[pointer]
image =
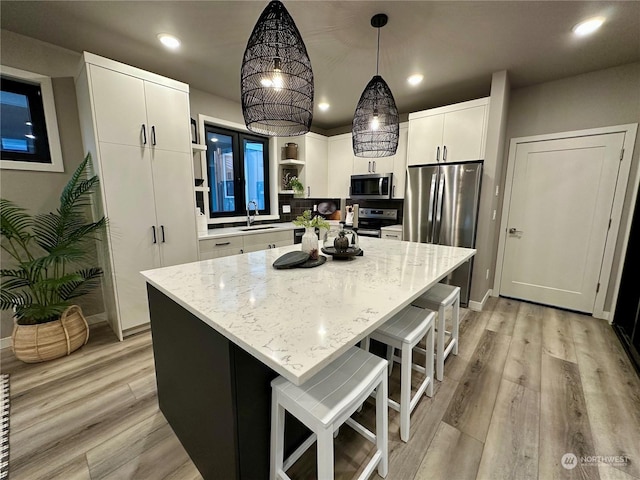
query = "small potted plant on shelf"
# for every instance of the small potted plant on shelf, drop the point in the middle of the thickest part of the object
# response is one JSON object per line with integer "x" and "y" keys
{"x": 49, "y": 253}
{"x": 310, "y": 223}
{"x": 296, "y": 186}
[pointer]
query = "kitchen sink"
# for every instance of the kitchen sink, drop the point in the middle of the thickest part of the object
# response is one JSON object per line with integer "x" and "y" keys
{"x": 257, "y": 227}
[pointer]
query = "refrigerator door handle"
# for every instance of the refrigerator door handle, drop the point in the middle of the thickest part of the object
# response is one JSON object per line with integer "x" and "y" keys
{"x": 432, "y": 196}
{"x": 440, "y": 200}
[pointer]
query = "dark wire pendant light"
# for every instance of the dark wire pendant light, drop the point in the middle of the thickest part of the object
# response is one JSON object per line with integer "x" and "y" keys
{"x": 376, "y": 125}
{"x": 276, "y": 76}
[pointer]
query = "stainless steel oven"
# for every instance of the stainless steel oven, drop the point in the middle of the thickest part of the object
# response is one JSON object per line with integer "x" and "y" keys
{"x": 371, "y": 221}
{"x": 371, "y": 187}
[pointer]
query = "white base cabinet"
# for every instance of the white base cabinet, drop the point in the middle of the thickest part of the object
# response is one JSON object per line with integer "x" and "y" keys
{"x": 135, "y": 124}
{"x": 237, "y": 244}
{"x": 455, "y": 133}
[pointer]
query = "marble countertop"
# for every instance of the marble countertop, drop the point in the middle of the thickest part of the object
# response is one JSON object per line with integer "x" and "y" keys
{"x": 236, "y": 231}
{"x": 297, "y": 321}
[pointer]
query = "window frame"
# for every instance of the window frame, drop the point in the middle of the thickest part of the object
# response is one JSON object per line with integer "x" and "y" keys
{"x": 50, "y": 121}
{"x": 239, "y": 182}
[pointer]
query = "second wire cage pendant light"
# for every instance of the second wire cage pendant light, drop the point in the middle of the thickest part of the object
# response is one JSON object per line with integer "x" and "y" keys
{"x": 376, "y": 124}
{"x": 276, "y": 76}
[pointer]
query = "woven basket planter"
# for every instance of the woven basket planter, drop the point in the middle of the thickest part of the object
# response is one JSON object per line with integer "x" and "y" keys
{"x": 46, "y": 341}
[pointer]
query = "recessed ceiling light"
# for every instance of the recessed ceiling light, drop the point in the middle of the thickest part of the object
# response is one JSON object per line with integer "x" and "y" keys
{"x": 324, "y": 106}
{"x": 588, "y": 26}
{"x": 169, "y": 41}
{"x": 415, "y": 79}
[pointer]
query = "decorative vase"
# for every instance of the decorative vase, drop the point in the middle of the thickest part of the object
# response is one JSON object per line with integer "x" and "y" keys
{"x": 341, "y": 243}
{"x": 309, "y": 240}
{"x": 47, "y": 341}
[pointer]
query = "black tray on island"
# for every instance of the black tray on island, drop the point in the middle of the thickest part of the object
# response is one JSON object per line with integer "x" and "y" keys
{"x": 349, "y": 253}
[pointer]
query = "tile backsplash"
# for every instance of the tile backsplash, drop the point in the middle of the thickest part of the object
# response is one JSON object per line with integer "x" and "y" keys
{"x": 299, "y": 205}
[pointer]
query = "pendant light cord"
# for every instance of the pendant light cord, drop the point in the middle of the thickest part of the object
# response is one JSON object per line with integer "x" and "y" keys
{"x": 378, "y": 52}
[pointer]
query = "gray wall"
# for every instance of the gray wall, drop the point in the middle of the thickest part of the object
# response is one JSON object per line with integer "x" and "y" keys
{"x": 39, "y": 191}
{"x": 597, "y": 99}
{"x": 487, "y": 233}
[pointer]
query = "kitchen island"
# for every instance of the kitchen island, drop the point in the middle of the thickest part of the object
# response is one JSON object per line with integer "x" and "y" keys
{"x": 223, "y": 329}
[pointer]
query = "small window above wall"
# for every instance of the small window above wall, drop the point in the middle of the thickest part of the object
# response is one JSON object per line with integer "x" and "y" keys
{"x": 29, "y": 138}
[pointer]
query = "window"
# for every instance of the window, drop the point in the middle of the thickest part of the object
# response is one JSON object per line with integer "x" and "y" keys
{"x": 238, "y": 172}
{"x": 28, "y": 126}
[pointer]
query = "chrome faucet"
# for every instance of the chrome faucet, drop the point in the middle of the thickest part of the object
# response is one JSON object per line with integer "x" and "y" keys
{"x": 252, "y": 218}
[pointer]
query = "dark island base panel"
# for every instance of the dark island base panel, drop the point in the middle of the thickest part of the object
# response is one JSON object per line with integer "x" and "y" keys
{"x": 215, "y": 396}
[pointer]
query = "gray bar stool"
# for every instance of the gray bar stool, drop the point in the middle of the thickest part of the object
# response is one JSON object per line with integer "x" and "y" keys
{"x": 324, "y": 403}
{"x": 404, "y": 331}
{"x": 438, "y": 298}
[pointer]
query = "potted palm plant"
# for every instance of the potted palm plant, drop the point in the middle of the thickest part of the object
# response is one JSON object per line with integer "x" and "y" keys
{"x": 48, "y": 271}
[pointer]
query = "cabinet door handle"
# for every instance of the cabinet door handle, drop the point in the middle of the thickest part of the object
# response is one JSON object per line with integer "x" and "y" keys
{"x": 438, "y": 154}
{"x": 308, "y": 192}
{"x": 162, "y": 230}
{"x": 374, "y": 166}
{"x": 242, "y": 250}
{"x": 153, "y": 135}
{"x": 393, "y": 193}
{"x": 153, "y": 229}
{"x": 273, "y": 245}
{"x": 369, "y": 167}
{"x": 222, "y": 244}
{"x": 144, "y": 134}
{"x": 444, "y": 153}
{"x": 391, "y": 236}
{"x": 268, "y": 245}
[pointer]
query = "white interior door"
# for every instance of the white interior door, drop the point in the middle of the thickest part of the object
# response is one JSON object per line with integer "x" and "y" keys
{"x": 558, "y": 216}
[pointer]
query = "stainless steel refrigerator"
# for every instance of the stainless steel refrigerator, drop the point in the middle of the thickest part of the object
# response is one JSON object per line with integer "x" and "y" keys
{"x": 441, "y": 207}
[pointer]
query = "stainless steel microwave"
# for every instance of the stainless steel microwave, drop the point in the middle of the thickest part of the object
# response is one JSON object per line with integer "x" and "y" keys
{"x": 375, "y": 186}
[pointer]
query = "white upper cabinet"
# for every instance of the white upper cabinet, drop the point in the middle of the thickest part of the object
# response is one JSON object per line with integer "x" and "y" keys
{"x": 340, "y": 165}
{"x": 166, "y": 110}
{"x": 425, "y": 139}
{"x": 315, "y": 166}
{"x": 400, "y": 163}
{"x": 119, "y": 106}
{"x": 132, "y": 111}
{"x": 454, "y": 133}
{"x": 463, "y": 136}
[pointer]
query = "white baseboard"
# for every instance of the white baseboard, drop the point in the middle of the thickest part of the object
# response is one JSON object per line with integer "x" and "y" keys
{"x": 478, "y": 306}
{"x": 603, "y": 316}
{"x": 5, "y": 342}
{"x": 97, "y": 318}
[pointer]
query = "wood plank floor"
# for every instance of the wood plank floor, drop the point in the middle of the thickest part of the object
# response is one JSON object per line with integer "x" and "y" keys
{"x": 530, "y": 384}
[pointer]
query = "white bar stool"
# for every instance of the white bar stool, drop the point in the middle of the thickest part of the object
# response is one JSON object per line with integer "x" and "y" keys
{"x": 437, "y": 298}
{"x": 327, "y": 401}
{"x": 404, "y": 331}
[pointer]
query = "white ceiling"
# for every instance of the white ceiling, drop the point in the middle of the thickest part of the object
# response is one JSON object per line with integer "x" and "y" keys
{"x": 456, "y": 45}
